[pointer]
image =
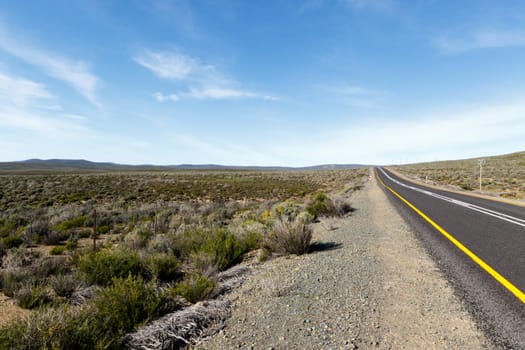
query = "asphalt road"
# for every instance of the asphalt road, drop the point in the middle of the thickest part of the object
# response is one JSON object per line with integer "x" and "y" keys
{"x": 488, "y": 231}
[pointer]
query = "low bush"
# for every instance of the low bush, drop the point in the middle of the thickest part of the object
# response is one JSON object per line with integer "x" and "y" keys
{"x": 123, "y": 305}
{"x": 224, "y": 247}
{"x": 12, "y": 242}
{"x": 103, "y": 229}
{"x": 288, "y": 210}
{"x": 71, "y": 245}
{"x": 118, "y": 309}
{"x": 291, "y": 237}
{"x": 220, "y": 247}
{"x": 321, "y": 205}
{"x": 341, "y": 205}
{"x": 57, "y": 250}
{"x": 101, "y": 267}
{"x": 66, "y": 225}
{"x": 31, "y": 297}
{"x": 165, "y": 267}
{"x": 195, "y": 287}
{"x": 54, "y": 237}
{"x": 64, "y": 285}
{"x": 47, "y": 266}
{"x": 11, "y": 282}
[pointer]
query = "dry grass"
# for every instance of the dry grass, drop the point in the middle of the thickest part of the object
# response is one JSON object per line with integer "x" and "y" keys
{"x": 10, "y": 311}
{"x": 503, "y": 176}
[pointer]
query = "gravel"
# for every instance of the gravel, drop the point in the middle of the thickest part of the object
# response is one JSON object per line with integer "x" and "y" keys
{"x": 368, "y": 285}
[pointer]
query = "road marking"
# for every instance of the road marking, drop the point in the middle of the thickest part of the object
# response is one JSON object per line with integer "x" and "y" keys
{"x": 496, "y": 275}
{"x": 490, "y": 212}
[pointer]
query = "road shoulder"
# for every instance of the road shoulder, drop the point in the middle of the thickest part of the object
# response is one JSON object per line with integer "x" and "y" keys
{"x": 375, "y": 288}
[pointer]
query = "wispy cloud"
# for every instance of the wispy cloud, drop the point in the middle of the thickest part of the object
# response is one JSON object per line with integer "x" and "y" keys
{"x": 481, "y": 39}
{"x": 203, "y": 80}
{"x": 174, "y": 65}
{"x": 160, "y": 97}
{"x": 51, "y": 127}
{"x": 20, "y": 91}
{"x": 217, "y": 93}
{"x": 76, "y": 73}
{"x": 29, "y": 106}
{"x": 354, "y": 95}
{"x": 168, "y": 65}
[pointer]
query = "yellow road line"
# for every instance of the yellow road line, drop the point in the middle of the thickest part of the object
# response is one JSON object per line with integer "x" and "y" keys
{"x": 502, "y": 280}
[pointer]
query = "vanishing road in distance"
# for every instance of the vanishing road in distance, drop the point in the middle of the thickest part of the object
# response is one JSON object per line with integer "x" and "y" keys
{"x": 479, "y": 245}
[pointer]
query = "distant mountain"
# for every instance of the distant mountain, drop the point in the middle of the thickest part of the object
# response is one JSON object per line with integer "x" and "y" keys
{"x": 82, "y": 165}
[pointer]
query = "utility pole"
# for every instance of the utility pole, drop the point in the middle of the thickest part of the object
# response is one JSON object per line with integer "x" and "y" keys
{"x": 94, "y": 230}
{"x": 480, "y": 162}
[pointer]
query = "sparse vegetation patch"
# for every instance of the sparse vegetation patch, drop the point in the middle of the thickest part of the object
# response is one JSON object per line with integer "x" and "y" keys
{"x": 161, "y": 241}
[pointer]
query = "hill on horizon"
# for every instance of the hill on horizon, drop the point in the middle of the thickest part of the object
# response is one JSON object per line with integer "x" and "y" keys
{"x": 36, "y": 165}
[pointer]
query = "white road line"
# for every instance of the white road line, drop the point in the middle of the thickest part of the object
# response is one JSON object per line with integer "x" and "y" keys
{"x": 493, "y": 213}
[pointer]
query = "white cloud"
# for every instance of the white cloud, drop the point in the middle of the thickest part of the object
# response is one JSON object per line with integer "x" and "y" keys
{"x": 160, "y": 97}
{"x": 354, "y": 95}
{"x": 51, "y": 127}
{"x": 171, "y": 65}
{"x": 204, "y": 81}
{"x": 74, "y": 72}
{"x": 177, "y": 66}
{"x": 224, "y": 93}
{"x": 20, "y": 91}
{"x": 28, "y": 106}
{"x": 481, "y": 39}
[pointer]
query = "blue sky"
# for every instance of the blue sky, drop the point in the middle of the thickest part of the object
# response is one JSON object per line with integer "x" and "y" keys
{"x": 286, "y": 82}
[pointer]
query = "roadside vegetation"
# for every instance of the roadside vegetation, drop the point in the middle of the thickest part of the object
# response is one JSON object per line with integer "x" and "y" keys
{"x": 161, "y": 240}
{"x": 503, "y": 176}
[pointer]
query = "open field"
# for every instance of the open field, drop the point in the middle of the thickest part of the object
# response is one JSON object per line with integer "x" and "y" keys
{"x": 503, "y": 176}
{"x": 162, "y": 238}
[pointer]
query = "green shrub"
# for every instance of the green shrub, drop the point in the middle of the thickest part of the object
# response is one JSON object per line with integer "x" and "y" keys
{"x": 118, "y": 309}
{"x": 195, "y": 287}
{"x": 321, "y": 205}
{"x": 102, "y": 229}
{"x": 165, "y": 267}
{"x": 12, "y": 241}
{"x": 69, "y": 224}
{"x": 252, "y": 240}
{"x": 288, "y": 209}
{"x": 31, "y": 297}
{"x": 101, "y": 267}
{"x": 71, "y": 245}
{"x": 125, "y": 304}
{"x": 223, "y": 247}
{"x": 57, "y": 250}
{"x": 53, "y": 328}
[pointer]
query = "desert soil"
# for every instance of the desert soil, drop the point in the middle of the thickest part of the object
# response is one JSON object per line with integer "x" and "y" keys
{"x": 9, "y": 311}
{"x": 369, "y": 285}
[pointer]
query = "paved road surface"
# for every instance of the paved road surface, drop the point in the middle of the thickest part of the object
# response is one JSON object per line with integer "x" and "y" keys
{"x": 479, "y": 245}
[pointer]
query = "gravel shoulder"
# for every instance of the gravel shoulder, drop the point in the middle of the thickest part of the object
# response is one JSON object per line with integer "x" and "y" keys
{"x": 369, "y": 285}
